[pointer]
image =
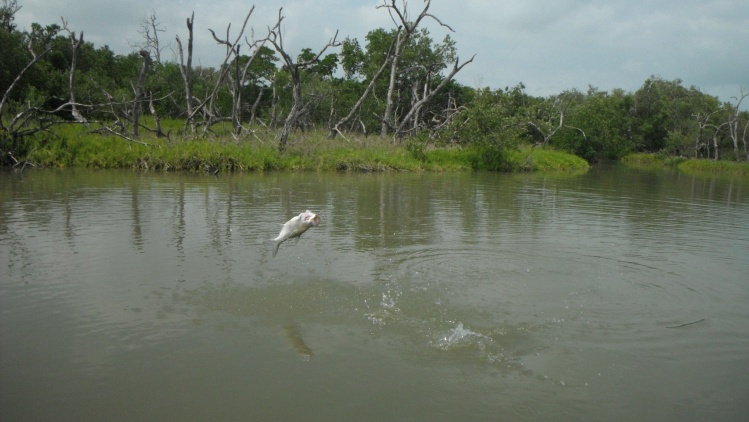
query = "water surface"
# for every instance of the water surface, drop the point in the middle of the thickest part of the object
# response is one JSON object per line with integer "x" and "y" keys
{"x": 619, "y": 294}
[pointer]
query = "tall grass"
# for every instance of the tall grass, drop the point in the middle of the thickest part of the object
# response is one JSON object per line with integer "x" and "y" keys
{"x": 713, "y": 167}
{"x": 691, "y": 166}
{"x": 77, "y": 146}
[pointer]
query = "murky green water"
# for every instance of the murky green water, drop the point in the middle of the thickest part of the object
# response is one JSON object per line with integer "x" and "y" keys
{"x": 614, "y": 295}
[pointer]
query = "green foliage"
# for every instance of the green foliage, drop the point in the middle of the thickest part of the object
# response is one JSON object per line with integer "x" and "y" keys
{"x": 599, "y": 127}
{"x": 15, "y": 56}
{"x": 490, "y": 157}
{"x": 351, "y": 57}
{"x": 417, "y": 150}
{"x": 494, "y": 119}
{"x": 545, "y": 160}
{"x": 643, "y": 159}
{"x": 666, "y": 116}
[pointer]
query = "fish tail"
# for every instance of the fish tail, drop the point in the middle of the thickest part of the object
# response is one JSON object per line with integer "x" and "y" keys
{"x": 276, "y": 244}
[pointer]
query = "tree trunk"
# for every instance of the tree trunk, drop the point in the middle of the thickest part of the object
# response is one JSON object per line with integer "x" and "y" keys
{"x": 388, "y": 120}
{"x": 297, "y": 107}
{"x": 186, "y": 71}
{"x": 387, "y": 117}
{"x": 733, "y": 123}
{"x": 76, "y": 44}
{"x": 335, "y": 129}
{"x": 294, "y": 68}
{"x": 140, "y": 92}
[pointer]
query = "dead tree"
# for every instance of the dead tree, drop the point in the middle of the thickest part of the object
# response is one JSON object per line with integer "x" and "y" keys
{"x": 716, "y": 135}
{"x": 702, "y": 124}
{"x": 20, "y": 119}
{"x": 149, "y": 29}
{"x": 75, "y": 46}
{"x": 240, "y": 72}
{"x": 733, "y": 125}
{"x": 336, "y": 128}
{"x": 547, "y": 128}
{"x": 207, "y": 104}
{"x": 298, "y": 107}
{"x": 21, "y": 124}
{"x": 427, "y": 96}
{"x": 185, "y": 70}
{"x": 401, "y": 20}
{"x": 140, "y": 91}
{"x": 743, "y": 139}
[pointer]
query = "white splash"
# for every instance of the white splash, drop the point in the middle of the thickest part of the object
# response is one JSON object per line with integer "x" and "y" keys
{"x": 460, "y": 336}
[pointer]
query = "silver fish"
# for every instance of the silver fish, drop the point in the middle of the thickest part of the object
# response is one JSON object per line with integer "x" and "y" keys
{"x": 295, "y": 227}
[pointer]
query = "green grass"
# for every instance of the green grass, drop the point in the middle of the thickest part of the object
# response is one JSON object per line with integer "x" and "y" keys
{"x": 546, "y": 160}
{"x": 78, "y": 146}
{"x": 643, "y": 160}
{"x": 714, "y": 167}
{"x": 691, "y": 166}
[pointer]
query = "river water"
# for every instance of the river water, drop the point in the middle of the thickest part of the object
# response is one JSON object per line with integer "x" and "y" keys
{"x": 619, "y": 294}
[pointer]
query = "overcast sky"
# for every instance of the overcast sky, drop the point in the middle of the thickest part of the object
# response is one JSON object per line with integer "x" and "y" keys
{"x": 549, "y": 45}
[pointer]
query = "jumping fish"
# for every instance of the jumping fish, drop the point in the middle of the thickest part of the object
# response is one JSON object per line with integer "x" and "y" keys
{"x": 295, "y": 227}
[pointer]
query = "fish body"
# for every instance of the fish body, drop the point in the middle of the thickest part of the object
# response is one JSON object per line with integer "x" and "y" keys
{"x": 295, "y": 227}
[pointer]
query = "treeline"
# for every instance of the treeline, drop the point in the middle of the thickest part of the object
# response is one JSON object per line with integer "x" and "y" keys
{"x": 396, "y": 83}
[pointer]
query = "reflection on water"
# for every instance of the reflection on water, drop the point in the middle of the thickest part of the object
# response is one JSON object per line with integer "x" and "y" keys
{"x": 441, "y": 297}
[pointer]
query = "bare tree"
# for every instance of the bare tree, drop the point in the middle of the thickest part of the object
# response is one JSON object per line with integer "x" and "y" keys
{"x": 75, "y": 46}
{"x": 743, "y": 139}
{"x": 140, "y": 91}
{"x": 21, "y": 118}
{"x": 186, "y": 72}
{"x": 400, "y": 18}
{"x": 240, "y": 73}
{"x": 548, "y": 126}
{"x": 733, "y": 125}
{"x": 149, "y": 30}
{"x": 335, "y": 128}
{"x": 298, "y": 107}
{"x": 68, "y": 107}
{"x": 207, "y": 104}
{"x": 703, "y": 122}
{"x": 427, "y": 96}
{"x": 717, "y": 129}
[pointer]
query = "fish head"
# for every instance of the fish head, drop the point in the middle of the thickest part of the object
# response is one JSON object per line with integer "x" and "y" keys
{"x": 310, "y": 218}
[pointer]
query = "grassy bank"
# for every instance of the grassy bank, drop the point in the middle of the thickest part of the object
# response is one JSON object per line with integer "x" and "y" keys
{"x": 77, "y": 146}
{"x": 692, "y": 166}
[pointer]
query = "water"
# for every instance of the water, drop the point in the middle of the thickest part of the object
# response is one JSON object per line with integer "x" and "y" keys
{"x": 615, "y": 295}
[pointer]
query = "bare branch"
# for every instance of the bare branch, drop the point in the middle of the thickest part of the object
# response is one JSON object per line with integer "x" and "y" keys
{"x": 34, "y": 59}
{"x": 417, "y": 106}
{"x": 336, "y": 128}
{"x": 298, "y": 107}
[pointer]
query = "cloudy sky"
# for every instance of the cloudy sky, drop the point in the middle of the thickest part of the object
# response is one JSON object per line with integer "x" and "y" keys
{"x": 549, "y": 45}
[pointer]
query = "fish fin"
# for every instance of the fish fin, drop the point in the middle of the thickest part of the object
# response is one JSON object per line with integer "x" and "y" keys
{"x": 276, "y": 244}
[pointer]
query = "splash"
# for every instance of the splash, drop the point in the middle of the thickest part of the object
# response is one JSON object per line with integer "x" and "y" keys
{"x": 387, "y": 311}
{"x": 460, "y": 337}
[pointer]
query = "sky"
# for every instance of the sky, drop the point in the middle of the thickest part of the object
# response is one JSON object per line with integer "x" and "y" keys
{"x": 548, "y": 45}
